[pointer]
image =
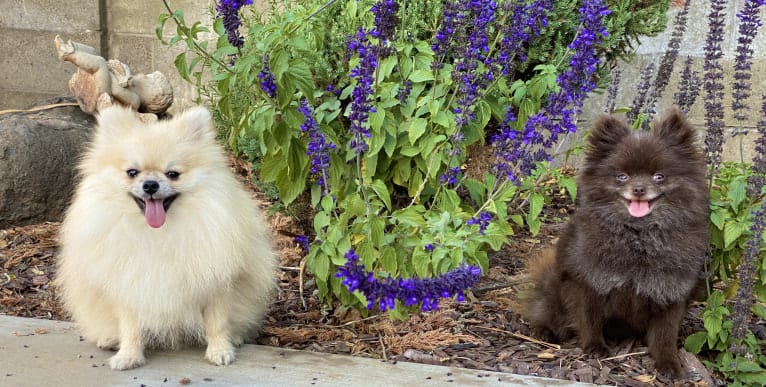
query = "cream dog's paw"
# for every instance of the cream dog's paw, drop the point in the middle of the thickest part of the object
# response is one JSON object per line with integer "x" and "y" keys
{"x": 126, "y": 361}
{"x": 222, "y": 354}
{"x": 108, "y": 343}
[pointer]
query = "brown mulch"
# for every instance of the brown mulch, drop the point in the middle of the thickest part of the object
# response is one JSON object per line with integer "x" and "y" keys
{"x": 483, "y": 333}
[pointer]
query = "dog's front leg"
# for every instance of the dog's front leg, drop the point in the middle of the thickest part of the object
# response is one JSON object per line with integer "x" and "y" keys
{"x": 220, "y": 350}
{"x": 131, "y": 353}
{"x": 662, "y": 335}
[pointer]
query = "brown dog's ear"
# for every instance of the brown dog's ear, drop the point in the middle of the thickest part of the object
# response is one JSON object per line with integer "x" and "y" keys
{"x": 607, "y": 132}
{"x": 674, "y": 129}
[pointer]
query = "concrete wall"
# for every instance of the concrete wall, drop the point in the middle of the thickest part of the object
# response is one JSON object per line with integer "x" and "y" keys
{"x": 693, "y": 43}
{"x": 30, "y": 71}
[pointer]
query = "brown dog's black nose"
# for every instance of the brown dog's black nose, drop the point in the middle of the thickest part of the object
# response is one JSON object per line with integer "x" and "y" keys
{"x": 638, "y": 190}
{"x": 151, "y": 187}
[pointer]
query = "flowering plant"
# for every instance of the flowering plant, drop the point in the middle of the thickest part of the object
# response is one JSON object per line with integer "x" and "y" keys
{"x": 370, "y": 111}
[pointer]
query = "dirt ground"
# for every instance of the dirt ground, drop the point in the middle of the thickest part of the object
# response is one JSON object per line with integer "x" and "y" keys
{"x": 482, "y": 333}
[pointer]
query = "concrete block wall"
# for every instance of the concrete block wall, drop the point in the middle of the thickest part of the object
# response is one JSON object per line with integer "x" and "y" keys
{"x": 30, "y": 71}
{"x": 693, "y": 44}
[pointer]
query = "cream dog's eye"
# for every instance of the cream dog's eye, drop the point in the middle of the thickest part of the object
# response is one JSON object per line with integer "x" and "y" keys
{"x": 172, "y": 175}
{"x": 132, "y": 172}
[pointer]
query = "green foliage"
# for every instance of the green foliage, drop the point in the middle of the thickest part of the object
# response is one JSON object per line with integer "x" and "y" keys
{"x": 731, "y": 215}
{"x": 740, "y": 361}
{"x": 629, "y": 21}
{"x": 388, "y": 204}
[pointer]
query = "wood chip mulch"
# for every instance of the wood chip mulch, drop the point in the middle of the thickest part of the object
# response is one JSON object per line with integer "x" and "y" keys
{"x": 483, "y": 333}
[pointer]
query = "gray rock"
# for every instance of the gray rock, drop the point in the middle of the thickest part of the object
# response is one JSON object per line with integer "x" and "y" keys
{"x": 38, "y": 154}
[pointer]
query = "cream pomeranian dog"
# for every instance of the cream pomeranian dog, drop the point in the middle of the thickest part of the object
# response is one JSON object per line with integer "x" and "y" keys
{"x": 162, "y": 245}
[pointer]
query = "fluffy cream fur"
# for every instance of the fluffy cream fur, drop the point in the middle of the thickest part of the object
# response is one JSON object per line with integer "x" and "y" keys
{"x": 204, "y": 276}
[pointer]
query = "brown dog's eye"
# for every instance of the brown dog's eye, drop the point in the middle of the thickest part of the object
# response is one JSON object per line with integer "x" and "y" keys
{"x": 132, "y": 172}
{"x": 659, "y": 178}
{"x": 623, "y": 177}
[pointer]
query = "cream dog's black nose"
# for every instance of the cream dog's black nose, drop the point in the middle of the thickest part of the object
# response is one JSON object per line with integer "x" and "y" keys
{"x": 151, "y": 187}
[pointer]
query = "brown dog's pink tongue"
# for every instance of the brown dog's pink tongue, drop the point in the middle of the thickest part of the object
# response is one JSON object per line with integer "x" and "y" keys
{"x": 155, "y": 213}
{"x": 638, "y": 208}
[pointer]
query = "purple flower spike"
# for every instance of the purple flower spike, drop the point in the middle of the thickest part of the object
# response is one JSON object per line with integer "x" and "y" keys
{"x": 228, "y": 11}
{"x": 318, "y": 148}
{"x": 427, "y": 291}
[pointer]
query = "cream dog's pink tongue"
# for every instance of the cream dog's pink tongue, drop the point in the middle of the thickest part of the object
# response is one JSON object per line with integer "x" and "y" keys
{"x": 154, "y": 212}
{"x": 638, "y": 208}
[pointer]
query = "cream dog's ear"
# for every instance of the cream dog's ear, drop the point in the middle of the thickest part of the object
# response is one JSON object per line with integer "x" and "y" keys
{"x": 197, "y": 124}
{"x": 115, "y": 120}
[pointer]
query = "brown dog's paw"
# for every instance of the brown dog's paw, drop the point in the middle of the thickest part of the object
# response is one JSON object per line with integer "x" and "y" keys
{"x": 597, "y": 350}
{"x": 670, "y": 367}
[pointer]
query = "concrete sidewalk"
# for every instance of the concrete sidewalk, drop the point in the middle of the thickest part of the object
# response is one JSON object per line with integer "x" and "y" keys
{"x": 43, "y": 352}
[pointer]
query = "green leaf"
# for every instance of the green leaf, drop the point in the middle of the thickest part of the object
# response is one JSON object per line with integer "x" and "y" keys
{"x": 421, "y": 76}
{"x": 416, "y": 128}
{"x": 536, "y": 201}
{"x": 376, "y": 119}
{"x": 409, "y": 151}
{"x": 410, "y": 216}
{"x": 321, "y": 267}
{"x": 278, "y": 63}
{"x": 292, "y": 180}
{"x": 443, "y": 119}
{"x": 737, "y": 191}
{"x": 386, "y": 67}
{"x": 731, "y": 232}
{"x": 718, "y": 216}
{"x": 388, "y": 259}
{"x": 159, "y": 29}
{"x": 377, "y": 227}
{"x": 570, "y": 185}
{"x": 449, "y": 200}
{"x": 753, "y": 378}
{"x": 423, "y": 46}
{"x": 382, "y": 191}
{"x": 367, "y": 253}
{"x": 744, "y": 365}
{"x": 355, "y": 205}
{"x": 321, "y": 220}
{"x": 713, "y": 323}
{"x": 272, "y": 165}
{"x": 421, "y": 261}
{"x": 475, "y": 189}
{"x": 759, "y": 310}
{"x": 534, "y": 225}
{"x": 299, "y": 77}
{"x": 695, "y": 341}
{"x": 180, "y": 63}
{"x": 497, "y": 234}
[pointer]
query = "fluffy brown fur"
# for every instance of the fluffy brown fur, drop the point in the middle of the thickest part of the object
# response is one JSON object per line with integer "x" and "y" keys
{"x": 627, "y": 262}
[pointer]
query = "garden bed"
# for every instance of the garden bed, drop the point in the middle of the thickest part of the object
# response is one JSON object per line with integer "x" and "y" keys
{"x": 482, "y": 333}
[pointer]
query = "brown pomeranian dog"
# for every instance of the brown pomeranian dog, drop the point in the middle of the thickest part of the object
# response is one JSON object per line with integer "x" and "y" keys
{"x": 629, "y": 259}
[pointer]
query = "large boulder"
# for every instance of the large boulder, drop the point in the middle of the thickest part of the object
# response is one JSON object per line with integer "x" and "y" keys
{"x": 38, "y": 154}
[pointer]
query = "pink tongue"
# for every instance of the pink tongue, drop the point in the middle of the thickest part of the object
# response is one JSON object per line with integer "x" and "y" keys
{"x": 638, "y": 208}
{"x": 155, "y": 213}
